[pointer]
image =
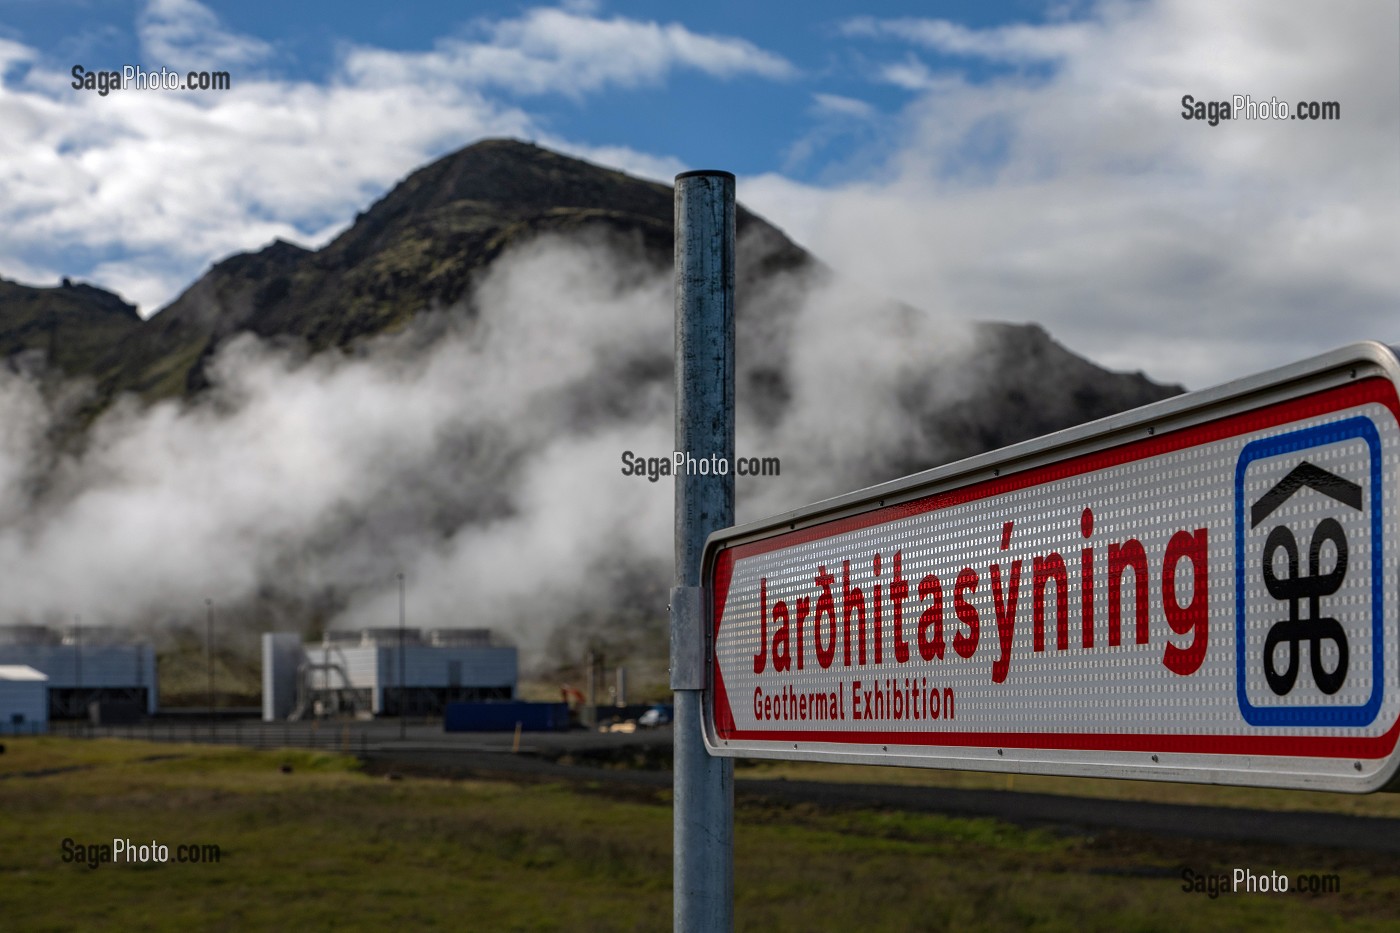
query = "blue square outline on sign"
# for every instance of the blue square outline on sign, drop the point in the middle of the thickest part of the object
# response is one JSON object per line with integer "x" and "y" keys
{"x": 1293, "y": 442}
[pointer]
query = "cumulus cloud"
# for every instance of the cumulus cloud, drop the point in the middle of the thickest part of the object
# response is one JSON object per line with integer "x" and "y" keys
{"x": 570, "y": 52}
{"x": 1078, "y": 197}
{"x": 835, "y": 118}
{"x": 186, "y": 34}
{"x": 626, "y": 159}
{"x": 143, "y": 189}
{"x": 1015, "y": 43}
{"x": 169, "y": 181}
{"x": 838, "y": 106}
{"x": 1037, "y": 172}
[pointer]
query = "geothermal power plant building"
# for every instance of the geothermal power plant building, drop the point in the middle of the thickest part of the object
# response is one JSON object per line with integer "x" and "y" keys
{"x": 24, "y": 700}
{"x": 366, "y": 672}
{"x": 84, "y": 665}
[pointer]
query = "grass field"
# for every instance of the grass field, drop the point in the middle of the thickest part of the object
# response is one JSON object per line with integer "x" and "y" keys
{"x": 326, "y": 847}
{"x": 1209, "y": 795}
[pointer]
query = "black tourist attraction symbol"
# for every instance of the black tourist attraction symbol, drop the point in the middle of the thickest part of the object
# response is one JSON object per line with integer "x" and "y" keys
{"x": 1314, "y": 628}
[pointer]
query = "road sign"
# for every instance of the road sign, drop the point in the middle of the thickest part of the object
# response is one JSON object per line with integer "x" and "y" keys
{"x": 1204, "y": 589}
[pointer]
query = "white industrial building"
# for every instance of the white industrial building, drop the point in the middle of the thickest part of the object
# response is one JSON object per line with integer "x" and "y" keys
{"x": 367, "y": 672}
{"x": 24, "y": 700}
{"x": 84, "y": 665}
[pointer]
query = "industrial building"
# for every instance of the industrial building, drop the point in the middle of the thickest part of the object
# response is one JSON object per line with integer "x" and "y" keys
{"x": 383, "y": 672}
{"x": 24, "y": 700}
{"x": 84, "y": 665}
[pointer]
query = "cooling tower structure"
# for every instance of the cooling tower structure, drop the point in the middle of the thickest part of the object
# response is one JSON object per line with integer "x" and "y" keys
{"x": 383, "y": 672}
{"x": 24, "y": 700}
{"x": 84, "y": 665}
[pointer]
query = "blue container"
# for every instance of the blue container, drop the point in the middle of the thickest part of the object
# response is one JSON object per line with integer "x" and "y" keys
{"x": 502, "y": 716}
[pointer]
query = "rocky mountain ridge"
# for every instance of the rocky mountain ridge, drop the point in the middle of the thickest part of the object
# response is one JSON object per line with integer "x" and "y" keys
{"x": 426, "y": 243}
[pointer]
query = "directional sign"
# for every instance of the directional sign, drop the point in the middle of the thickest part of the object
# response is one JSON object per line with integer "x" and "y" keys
{"x": 1204, "y": 589}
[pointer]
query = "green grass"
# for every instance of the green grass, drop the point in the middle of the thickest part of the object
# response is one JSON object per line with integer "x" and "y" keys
{"x": 329, "y": 847}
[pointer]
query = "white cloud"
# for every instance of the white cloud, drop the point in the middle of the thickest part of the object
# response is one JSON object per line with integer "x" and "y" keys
{"x": 1015, "y": 43}
{"x": 173, "y": 180}
{"x": 170, "y": 181}
{"x": 1081, "y": 199}
{"x": 1075, "y": 195}
{"x": 159, "y": 184}
{"x": 835, "y": 117}
{"x": 835, "y": 105}
{"x": 13, "y": 53}
{"x": 186, "y": 34}
{"x": 555, "y": 51}
{"x": 621, "y": 158}
{"x": 18, "y": 270}
{"x": 910, "y": 74}
{"x": 139, "y": 282}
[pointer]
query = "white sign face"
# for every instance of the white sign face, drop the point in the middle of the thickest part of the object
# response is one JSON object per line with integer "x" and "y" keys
{"x": 1195, "y": 591}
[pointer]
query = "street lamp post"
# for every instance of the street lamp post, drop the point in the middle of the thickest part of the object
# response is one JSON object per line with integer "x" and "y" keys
{"x": 78, "y": 664}
{"x": 209, "y": 657}
{"x": 403, "y": 686}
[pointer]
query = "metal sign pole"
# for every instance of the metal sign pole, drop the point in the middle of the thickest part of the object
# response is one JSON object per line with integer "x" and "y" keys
{"x": 704, "y": 785}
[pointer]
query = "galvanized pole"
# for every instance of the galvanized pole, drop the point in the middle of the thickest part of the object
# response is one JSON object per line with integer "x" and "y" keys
{"x": 704, "y": 785}
{"x": 209, "y": 657}
{"x": 78, "y": 657}
{"x": 403, "y": 677}
{"x": 590, "y": 716}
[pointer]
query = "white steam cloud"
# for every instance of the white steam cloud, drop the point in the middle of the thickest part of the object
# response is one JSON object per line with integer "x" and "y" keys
{"x": 479, "y": 455}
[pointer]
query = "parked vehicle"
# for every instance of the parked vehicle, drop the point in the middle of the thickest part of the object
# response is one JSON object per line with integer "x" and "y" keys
{"x": 659, "y": 715}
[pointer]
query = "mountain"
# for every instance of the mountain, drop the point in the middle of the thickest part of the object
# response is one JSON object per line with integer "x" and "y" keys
{"x": 423, "y": 246}
{"x": 69, "y": 326}
{"x": 510, "y": 307}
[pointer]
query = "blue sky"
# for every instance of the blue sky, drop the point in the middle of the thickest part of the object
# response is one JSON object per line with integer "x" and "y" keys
{"x": 306, "y": 42}
{"x": 1016, "y": 161}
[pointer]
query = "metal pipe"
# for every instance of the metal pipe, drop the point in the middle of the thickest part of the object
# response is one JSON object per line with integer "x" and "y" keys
{"x": 403, "y": 687}
{"x": 590, "y": 716}
{"x": 704, "y": 785}
{"x": 209, "y": 657}
{"x": 78, "y": 659}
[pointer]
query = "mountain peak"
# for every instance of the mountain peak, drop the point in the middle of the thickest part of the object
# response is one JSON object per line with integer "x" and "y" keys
{"x": 277, "y": 255}
{"x": 521, "y": 177}
{"x": 69, "y": 297}
{"x": 70, "y": 325}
